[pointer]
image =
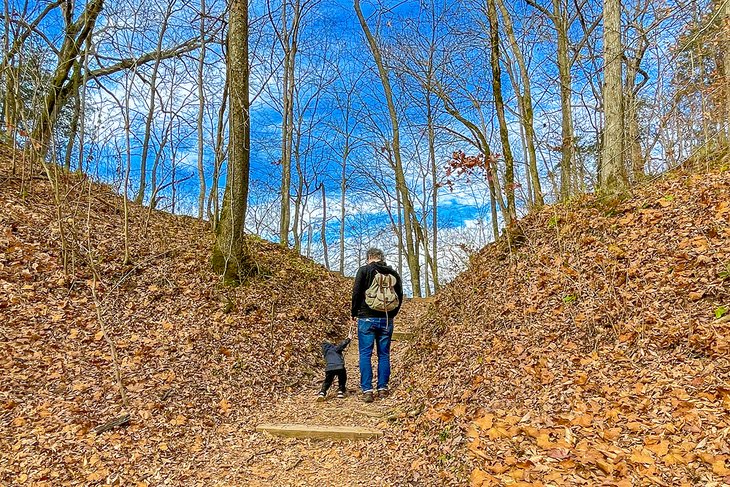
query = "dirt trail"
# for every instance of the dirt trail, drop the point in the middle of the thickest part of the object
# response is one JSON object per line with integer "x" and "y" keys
{"x": 304, "y": 462}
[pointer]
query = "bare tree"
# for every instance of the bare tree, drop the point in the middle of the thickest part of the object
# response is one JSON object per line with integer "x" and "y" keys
{"x": 229, "y": 252}
{"x": 62, "y": 83}
{"x": 201, "y": 111}
{"x": 612, "y": 174}
{"x": 412, "y": 227}
{"x": 288, "y": 35}
{"x": 524, "y": 99}
{"x": 509, "y": 187}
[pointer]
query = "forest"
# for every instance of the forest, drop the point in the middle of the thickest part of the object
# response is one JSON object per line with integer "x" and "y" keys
{"x": 188, "y": 187}
{"x": 425, "y": 128}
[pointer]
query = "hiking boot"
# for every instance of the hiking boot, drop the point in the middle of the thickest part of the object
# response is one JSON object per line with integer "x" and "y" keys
{"x": 383, "y": 393}
{"x": 321, "y": 396}
{"x": 340, "y": 394}
{"x": 367, "y": 396}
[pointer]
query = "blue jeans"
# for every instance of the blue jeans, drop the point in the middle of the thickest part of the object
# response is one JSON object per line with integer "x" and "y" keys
{"x": 374, "y": 332}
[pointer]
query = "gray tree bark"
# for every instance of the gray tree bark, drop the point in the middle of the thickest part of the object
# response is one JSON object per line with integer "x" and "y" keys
{"x": 612, "y": 176}
{"x": 509, "y": 181}
{"x": 229, "y": 256}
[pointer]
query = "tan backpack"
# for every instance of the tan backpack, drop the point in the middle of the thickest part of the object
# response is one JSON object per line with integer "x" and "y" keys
{"x": 381, "y": 295}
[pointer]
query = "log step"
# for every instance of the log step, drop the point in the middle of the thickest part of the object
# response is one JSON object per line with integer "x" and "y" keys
{"x": 402, "y": 335}
{"x": 326, "y": 432}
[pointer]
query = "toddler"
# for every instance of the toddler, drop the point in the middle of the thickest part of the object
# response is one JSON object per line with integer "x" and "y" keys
{"x": 335, "y": 367}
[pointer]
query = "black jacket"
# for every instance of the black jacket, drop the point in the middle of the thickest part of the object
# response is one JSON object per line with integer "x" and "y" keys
{"x": 333, "y": 354}
{"x": 363, "y": 279}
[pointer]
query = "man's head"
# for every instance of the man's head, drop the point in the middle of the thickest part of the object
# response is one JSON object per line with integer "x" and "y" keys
{"x": 375, "y": 255}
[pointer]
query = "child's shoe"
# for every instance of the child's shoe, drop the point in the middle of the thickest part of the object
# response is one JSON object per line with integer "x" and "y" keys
{"x": 383, "y": 393}
{"x": 321, "y": 396}
{"x": 340, "y": 394}
{"x": 367, "y": 396}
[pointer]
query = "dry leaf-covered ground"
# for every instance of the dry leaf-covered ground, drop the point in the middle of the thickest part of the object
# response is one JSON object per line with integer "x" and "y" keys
{"x": 198, "y": 360}
{"x": 585, "y": 354}
{"x": 588, "y": 353}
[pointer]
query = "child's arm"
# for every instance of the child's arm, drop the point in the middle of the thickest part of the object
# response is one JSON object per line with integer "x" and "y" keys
{"x": 343, "y": 344}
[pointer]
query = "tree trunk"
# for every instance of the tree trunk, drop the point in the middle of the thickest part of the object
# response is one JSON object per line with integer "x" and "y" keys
{"x": 631, "y": 90}
{"x": 84, "y": 84}
{"x": 525, "y": 101}
{"x": 612, "y": 173}
{"x": 343, "y": 190}
{"x": 229, "y": 258}
{"x": 509, "y": 180}
{"x": 128, "y": 168}
{"x": 74, "y": 128}
{"x": 399, "y": 207}
{"x": 139, "y": 198}
{"x": 213, "y": 211}
{"x": 201, "y": 113}
{"x": 493, "y": 206}
{"x": 323, "y": 235}
{"x": 434, "y": 195}
{"x": 410, "y": 220}
{"x": 75, "y": 34}
{"x": 289, "y": 44}
{"x": 566, "y": 109}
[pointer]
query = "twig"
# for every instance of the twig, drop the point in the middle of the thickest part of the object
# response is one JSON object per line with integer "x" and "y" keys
{"x": 110, "y": 342}
{"x": 722, "y": 320}
{"x": 256, "y": 454}
{"x": 97, "y": 305}
{"x": 294, "y": 465}
{"x": 271, "y": 340}
{"x": 122, "y": 420}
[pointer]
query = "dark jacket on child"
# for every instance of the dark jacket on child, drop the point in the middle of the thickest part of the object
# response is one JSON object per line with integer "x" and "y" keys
{"x": 333, "y": 354}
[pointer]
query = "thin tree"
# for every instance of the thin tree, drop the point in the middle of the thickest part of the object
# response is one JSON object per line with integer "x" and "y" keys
{"x": 62, "y": 84}
{"x": 612, "y": 175}
{"x": 139, "y": 198}
{"x": 201, "y": 112}
{"x": 229, "y": 258}
{"x": 524, "y": 98}
{"x": 559, "y": 17}
{"x": 509, "y": 163}
{"x": 410, "y": 219}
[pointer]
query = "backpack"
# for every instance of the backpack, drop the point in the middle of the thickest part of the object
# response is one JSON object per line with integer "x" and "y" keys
{"x": 381, "y": 296}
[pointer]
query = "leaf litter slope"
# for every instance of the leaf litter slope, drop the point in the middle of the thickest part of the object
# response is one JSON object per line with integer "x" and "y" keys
{"x": 198, "y": 360}
{"x": 587, "y": 353}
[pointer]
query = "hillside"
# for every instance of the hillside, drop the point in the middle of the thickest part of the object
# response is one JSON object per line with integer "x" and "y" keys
{"x": 197, "y": 359}
{"x": 588, "y": 352}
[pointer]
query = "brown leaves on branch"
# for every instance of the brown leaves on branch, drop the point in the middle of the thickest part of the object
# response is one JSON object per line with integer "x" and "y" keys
{"x": 460, "y": 164}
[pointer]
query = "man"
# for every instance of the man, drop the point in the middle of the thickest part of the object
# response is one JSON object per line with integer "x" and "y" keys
{"x": 374, "y": 327}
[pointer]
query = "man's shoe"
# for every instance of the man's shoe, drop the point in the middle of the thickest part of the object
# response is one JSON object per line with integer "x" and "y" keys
{"x": 383, "y": 393}
{"x": 367, "y": 396}
{"x": 340, "y": 395}
{"x": 321, "y": 396}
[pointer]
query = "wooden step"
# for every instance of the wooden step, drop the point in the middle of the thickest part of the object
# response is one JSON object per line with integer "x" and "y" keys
{"x": 326, "y": 432}
{"x": 402, "y": 335}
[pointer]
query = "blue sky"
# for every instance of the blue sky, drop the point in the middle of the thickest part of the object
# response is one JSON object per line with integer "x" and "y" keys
{"x": 332, "y": 59}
